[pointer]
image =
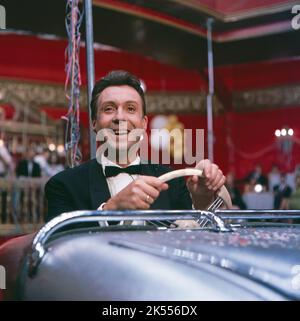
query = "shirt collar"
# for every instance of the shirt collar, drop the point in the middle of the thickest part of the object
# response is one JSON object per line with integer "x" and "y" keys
{"x": 107, "y": 162}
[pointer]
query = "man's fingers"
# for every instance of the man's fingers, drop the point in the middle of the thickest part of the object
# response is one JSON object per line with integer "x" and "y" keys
{"x": 164, "y": 187}
{"x": 209, "y": 170}
{"x": 147, "y": 189}
{"x": 155, "y": 182}
{"x": 221, "y": 182}
{"x": 195, "y": 179}
{"x": 206, "y": 166}
{"x": 150, "y": 190}
{"x": 215, "y": 183}
{"x": 215, "y": 176}
{"x": 140, "y": 198}
{"x": 203, "y": 163}
{"x": 192, "y": 180}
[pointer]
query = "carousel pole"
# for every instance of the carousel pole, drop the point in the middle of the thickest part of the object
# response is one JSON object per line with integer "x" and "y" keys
{"x": 209, "y": 107}
{"x": 90, "y": 68}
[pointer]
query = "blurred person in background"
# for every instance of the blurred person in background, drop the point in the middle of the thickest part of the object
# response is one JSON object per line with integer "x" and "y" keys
{"x": 42, "y": 159}
{"x": 236, "y": 197}
{"x": 27, "y": 167}
{"x": 282, "y": 193}
{"x": 257, "y": 177}
{"x": 274, "y": 177}
{"x": 55, "y": 166}
{"x": 294, "y": 201}
{"x": 6, "y": 160}
{"x": 6, "y": 170}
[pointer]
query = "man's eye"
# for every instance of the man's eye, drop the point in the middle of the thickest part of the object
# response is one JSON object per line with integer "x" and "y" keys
{"x": 108, "y": 108}
{"x": 131, "y": 108}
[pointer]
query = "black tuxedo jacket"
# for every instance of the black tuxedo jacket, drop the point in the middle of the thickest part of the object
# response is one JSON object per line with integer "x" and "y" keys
{"x": 85, "y": 188}
{"x": 22, "y": 169}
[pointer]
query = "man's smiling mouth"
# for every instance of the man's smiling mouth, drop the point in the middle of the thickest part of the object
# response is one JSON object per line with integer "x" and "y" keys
{"x": 121, "y": 132}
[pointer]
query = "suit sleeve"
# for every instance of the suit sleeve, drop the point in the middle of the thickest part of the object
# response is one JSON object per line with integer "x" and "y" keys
{"x": 38, "y": 170}
{"x": 19, "y": 169}
{"x": 181, "y": 199}
{"x": 58, "y": 197}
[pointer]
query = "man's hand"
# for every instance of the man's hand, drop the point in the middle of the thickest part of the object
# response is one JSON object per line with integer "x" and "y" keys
{"x": 139, "y": 194}
{"x": 203, "y": 189}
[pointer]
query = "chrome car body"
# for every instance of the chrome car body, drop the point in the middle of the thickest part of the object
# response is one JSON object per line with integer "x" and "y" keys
{"x": 233, "y": 255}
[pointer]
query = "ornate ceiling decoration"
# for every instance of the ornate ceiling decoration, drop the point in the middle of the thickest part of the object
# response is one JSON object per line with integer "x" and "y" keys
{"x": 53, "y": 95}
{"x": 26, "y": 98}
{"x": 39, "y": 94}
{"x": 283, "y": 96}
{"x": 180, "y": 103}
{"x": 36, "y": 94}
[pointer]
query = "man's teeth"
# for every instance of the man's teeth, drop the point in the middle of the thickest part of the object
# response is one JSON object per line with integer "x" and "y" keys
{"x": 121, "y": 132}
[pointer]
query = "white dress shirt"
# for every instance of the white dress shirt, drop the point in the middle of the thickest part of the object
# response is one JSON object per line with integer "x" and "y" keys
{"x": 118, "y": 182}
{"x": 5, "y": 159}
{"x": 30, "y": 168}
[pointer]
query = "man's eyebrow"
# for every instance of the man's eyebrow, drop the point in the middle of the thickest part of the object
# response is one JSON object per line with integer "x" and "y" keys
{"x": 108, "y": 102}
{"x": 131, "y": 101}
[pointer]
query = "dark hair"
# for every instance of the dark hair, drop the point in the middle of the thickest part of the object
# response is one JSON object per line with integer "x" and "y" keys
{"x": 116, "y": 78}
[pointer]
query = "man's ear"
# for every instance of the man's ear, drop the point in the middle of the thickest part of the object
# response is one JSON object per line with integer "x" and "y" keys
{"x": 145, "y": 122}
{"x": 94, "y": 125}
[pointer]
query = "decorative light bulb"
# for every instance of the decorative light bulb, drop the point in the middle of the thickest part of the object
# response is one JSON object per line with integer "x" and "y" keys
{"x": 277, "y": 133}
{"x": 283, "y": 132}
{"x": 52, "y": 147}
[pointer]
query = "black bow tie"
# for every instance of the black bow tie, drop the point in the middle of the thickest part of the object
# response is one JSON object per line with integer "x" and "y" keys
{"x": 114, "y": 171}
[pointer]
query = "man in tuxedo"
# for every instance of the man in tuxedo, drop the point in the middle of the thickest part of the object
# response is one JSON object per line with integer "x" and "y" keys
{"x": 117, "y": 179}
{"x": 27, "y": 167}
{"x": 282, "y": 194}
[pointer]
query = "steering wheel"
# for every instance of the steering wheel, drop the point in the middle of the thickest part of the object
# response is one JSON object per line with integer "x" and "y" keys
{"x": 223, "y": 195}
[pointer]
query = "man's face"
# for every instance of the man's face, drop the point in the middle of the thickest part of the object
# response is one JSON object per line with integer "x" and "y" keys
{"x": 120, "y": 111}
{"x": 30, "y": 155}
{"x": 258, "y": 169}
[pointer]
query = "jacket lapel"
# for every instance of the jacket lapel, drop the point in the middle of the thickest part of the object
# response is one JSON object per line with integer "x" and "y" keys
{"x": 99, "y": 191}
{"x": 162, "y": 201}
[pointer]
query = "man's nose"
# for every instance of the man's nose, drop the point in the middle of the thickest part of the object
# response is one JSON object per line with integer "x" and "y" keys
{"x": 120, "y": 114}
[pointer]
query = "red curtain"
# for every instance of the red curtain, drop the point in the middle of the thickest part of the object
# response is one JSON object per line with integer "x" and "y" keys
{"x": 254, "y": 140}
{"x": 43, "y": 60}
